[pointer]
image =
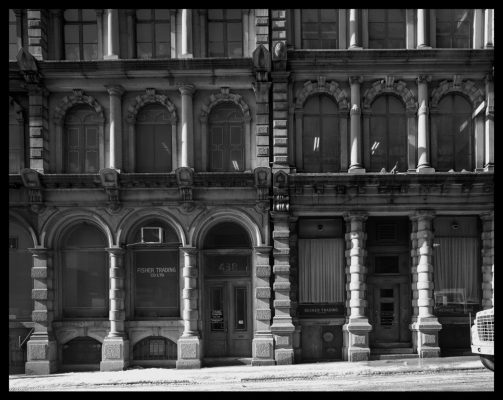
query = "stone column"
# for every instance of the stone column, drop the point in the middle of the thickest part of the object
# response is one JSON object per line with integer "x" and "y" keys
{"x": 487, "y": 259}
{"x": 414, "y": 255}
{"x": 39, "y": 127}
{"x": 115, "y": 349}
{"x": 189, "y": 344}
{"x": 355, "y": 164}
{"x": 478, "y": 28}
{"x": 354, "y": 30}
{"x": 262, "y": 27}
{"x": 42, "y": 347}
{"x": 186, "y": 142}
{"x": 356, "y": 329}
{"x": 282, "y": 325}
{"x": 186, "y": 33}
{"x": 115, "y": 140}
{"x": 280, "y": 120}
{"x": 425, "y": 328}
{"x": 423, "y": 135}
{"x": 489, "y": 131}
{"x": 262, "y": 90}
{"x": 263, "y": 342}
{"x": 488, "y": 29}
{"x": 422, "y": 29}
{"x": 112, "y": 35}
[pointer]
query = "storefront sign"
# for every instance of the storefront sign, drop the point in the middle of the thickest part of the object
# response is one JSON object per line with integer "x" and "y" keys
{"x": 156, "y": 272}
{"x": 310, "y": 310}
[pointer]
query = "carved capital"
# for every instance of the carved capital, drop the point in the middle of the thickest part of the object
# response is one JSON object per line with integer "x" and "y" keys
{"x": 186, "y": 88}
{"x": 353, "y": 80}
{"x": 423, "y": 79}
{"x": 114, "y": 90}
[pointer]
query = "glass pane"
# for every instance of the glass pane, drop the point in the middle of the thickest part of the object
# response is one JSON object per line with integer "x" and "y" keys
{"x": 88, "y": 15}
{"x": 162, "y": 33}
{"x": 216, "y": 31}
{"x": 12, "y": 34}
{"x": 309, "y": 15}
{"x": 376, "y": 31}
{"x": 328, "y": 106}
{"x": 443, "y": 42}
{"x": 73, "y": 162}
{"x": 156, "y": 283}
{"x": 377, "y": 15}
{"x": 329, "y": 15}
{"x": 162, "y": 14}
{"x": 71, "y": 34}
{"x": 90, "y": 52}
{"x": 143, "y": 33}
{"x": 234, "y": 13}
{"x": 163, "y": 50}
{"x": 91, "y": 137}
{"x": 379, "y": 105}
{"x": 144, "y": 50}
{"x": 214, "y": 13}
{"x": 443, "y": 28}
{"x": 235, "y": 49}
{"x": 90, "y": 34}
{"x": 443, "y": 14}
{"x": 330, "y": 144}
{"x": 71, "y": 14}
{"x": 13, "y": 50}
{"x": 234, "y": 31}
{"x": 216, "y": 49}
{"x": 396, "y": 30}
{"x": 144, "y": 14}
{"x": 216, "y": 309}
{"x": 461, "y": 43}
{"x": 395, "y": 105}
{"x": 92, "y": 165}
{"x": 240, "y": 308}
{"x": 72, "y": 52}
{"x": 162, "y": 148}
{"x": 396, "y": 15}
{"x": 463, "y": 28}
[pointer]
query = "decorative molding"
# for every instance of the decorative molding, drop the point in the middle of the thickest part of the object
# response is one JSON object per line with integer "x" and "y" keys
{"x": 31, "y": 180}
{"x": 322, "y": 86}
{"x": 468, "y": 88}
{"x": 224, "y": 96}
{"x": 262, "y": 182}
{"x": 389, "y": 85}
{"x": 78, "y": 97}
{"x": 110, "y": 181}
{"x": 150, "y": 97}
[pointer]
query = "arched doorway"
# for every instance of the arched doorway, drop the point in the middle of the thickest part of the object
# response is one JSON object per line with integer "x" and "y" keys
{"x": 227, "y": 308}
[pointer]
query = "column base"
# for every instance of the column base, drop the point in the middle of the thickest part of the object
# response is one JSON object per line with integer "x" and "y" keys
{"x": 189, "y": 353}
{"x": 111, "y": 57}
{"x": 42, "y": 357}
{"x": 283, "y": 343}
{"x": 425, "y": 170}
{"x": 114, "y": 354}
{"x": 356, "y": 340}
{"x": 356, "y": 170}
{"x": 425, "y": 337}
{"x": 355, "y": 48}
{"x": 423, "y": 46}
{"x": 489, "y": 168}
{"x": 263, "y": 350}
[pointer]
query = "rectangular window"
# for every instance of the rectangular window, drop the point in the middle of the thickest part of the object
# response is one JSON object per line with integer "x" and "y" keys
{"x": 319, "y": 28}
{"x": 225, "y": 33}
{"x": 240, "y": 309}
{"x": 454, "y": 28}
{"x": 386, "y": 28}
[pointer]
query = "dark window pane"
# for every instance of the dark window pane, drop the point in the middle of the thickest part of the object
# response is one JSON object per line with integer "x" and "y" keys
{"x": 234, "y": 31}
{"x": 90, "y": 34}
{"x": 216, "y": 31}
{"x": 91, "y": 162}
{"x": 235, "y": 49}
{"x": 240, "y": 308}
{"x": 12, "y": 34}
{"x": 144, "y": 50}
{"x": 71, "y": 15}
{"x": 13, "y": 50}
{"x": 216, "y": 49}
{"x": 214, "y": 13}
{"x": 88, "y": 15}
{"x": 162, "y": 14}
{"x": 329, "y": 15}
{"x": 82, "y": 350}
{"x": 71, "y": 34}
{"x": 90, "y": 51}
{"x": 396, "y": 15}
{"x": 234, "y": 13}
{"x": 144, "y": 14}
{"x": 309, "y": 15}
{"x": 376, "y": 15}
{"x": 163, "y": 50}
{"x": 162, "y": 33}
{"x": 143, "y": 33}
{"x": 12, "y": 16}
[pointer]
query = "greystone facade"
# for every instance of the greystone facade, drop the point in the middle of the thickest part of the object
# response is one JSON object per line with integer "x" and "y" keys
{"x": 268, "y": 198}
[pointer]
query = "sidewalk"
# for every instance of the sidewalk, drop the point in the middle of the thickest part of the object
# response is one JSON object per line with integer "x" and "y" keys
{"x": 241, "y": 373}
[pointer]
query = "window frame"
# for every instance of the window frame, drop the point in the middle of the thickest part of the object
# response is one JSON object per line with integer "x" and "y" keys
{"x": 225, "y": 42}
{"x": 452, "y": 34}
{"x": 80, "y": 23}
{"x": 320, "y": 31}
{"x": 386, "y": 23}
{"x": 152, "y": 23}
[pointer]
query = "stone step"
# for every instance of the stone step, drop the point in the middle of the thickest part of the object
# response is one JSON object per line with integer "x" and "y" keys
{"x": 374, "y": 357}
{"x": 396, "y": 350}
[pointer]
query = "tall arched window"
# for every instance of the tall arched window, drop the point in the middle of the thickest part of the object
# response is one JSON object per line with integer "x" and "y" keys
{"x": 153, "y": 33}
{"x": 80, "y": 34}
{"x": 16, "y": 141}
{"x": 84, "y": 272}
{"x": 319, "y": 28}
{"x": 386, "y": 28}
{"x": 452, "y": 134}
{"x": 388, "y": 135}
{"x": 454, "y": 28}
{"x": 225, "y": 33}
{"x": 320, "y": 135}
{"x": 81, "y": 140}
{"x": 153, "y": 139}
{"x": 227, "y": 139}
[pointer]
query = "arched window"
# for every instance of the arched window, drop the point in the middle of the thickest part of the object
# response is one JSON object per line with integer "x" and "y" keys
{"x": 153, "y": 139}
{"x": 386, "y": 28}
{"x": 81, "y": 140}
{"x": 454, "y": 28}
{"x": 80, "y": 34}
{"x": 153, "y": 33}
{"x": 452, "y": 134}
{"x": 319, "y": 28}
{"x": 82, "y": 350}
{"x": 388, "y": 134}
{"x": 16, "y": 141}
{"x": 84, "y": 272}
{"x": 20, "y": 281}
{"x": 155, "y": 348}
{"x": 320, "y": 135}
{"x": 154, "y": 259}
{"x": 226, "y": 139}
{"x": 225, "y": 33}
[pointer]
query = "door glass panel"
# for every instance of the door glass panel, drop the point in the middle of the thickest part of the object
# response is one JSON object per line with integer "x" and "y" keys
{"x": 216, "y": 309}
{"x": 387, "y": 312}
{"x": 240, "y": 308}
{"x": 386, "y": 292}
{"x": 386, "y": 265}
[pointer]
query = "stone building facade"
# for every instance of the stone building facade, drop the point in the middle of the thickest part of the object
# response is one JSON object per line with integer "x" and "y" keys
{"x": 284, "y": 185}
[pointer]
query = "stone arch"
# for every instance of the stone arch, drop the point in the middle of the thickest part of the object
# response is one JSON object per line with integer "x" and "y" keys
{"x": 198, "y": 231}
{"x": 78, "y": 97}
{"x": 150, "y": 97}
{"x": 132, "y": 220}
{"x": 66, "y": 335}
{"x": 224, "y": 97}
{"x": 467, "y": 88}
{"x": 57, "y": 223}
{"x": 398, "y": 88}
{"x": 15, "y": 217}
{"x": 322, "y": 86}
{"x": 137, "y": 336}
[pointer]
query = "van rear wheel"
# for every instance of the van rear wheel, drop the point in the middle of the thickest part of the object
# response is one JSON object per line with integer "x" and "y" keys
{"x": 488, "y": 362}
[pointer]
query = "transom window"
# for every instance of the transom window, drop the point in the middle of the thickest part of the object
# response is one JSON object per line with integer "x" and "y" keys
{"x": 80, "y": 34}
{"x": 319, "y": 29}
{"x": 320, "y": 135}
{"x": 225, "y": 33}
{"x": 386, "y": 28}
{"x": 81, "y": 140}
{"x": 454, "y": 28}
{"x": 227, "y": 138}
{"x": 388, "y": 135}
{"x": 453, "y": 134}
{"x": 153, "y": 33}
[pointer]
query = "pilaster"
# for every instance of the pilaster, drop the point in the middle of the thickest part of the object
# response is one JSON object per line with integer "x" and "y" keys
{"x": 115, "y": 139}
{"x": 189, "y": 344}
{"x": 356, "y": 329}
{"x": 423, "y": 135}
{"x": 422, "y": 29}
{"x": 355, "y": 144}
{"x": 489, "y": 125}
{"x": 42, "y": 348}
{"x": 414, "y": 255}
{"x": 187, "y": 51}
{"x": 112, "y": 34}
{"x": 37, "y": 32}
{"x": 38, "y": 127}
{"x": 262, "y": 27}
{"x": 487, "y": 259}
{"x": 355, "y": 41}
{"x": 187, "y": 136}
{"x": 280, "y": 121}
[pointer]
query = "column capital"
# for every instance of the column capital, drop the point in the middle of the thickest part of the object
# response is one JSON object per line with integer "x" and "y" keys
{"x": 186, "y": 88}
{"x": 115, "y": 250}
{"x": 40, "y": 251}
{"x": 189, "y": 250}
{"x": 423, "y": 79}
{"x": 263, "y": 249}
{"x": 487, "y": 216}
{"x": 424, "y": 214}
{"x": 115, "y": 90}
{"x": 355, "y": 216}
{"x": 355, "y": 79}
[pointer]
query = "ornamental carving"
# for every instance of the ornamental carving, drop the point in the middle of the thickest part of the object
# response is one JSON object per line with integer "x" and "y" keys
{"x": 150, "y": 97}
{"x": 389, "y": 85}
{"x": 468, "y": 88}
{"x": 322, "y": 86}
{"x": 224, "y": 96}
{"x": 78, "y": 97}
